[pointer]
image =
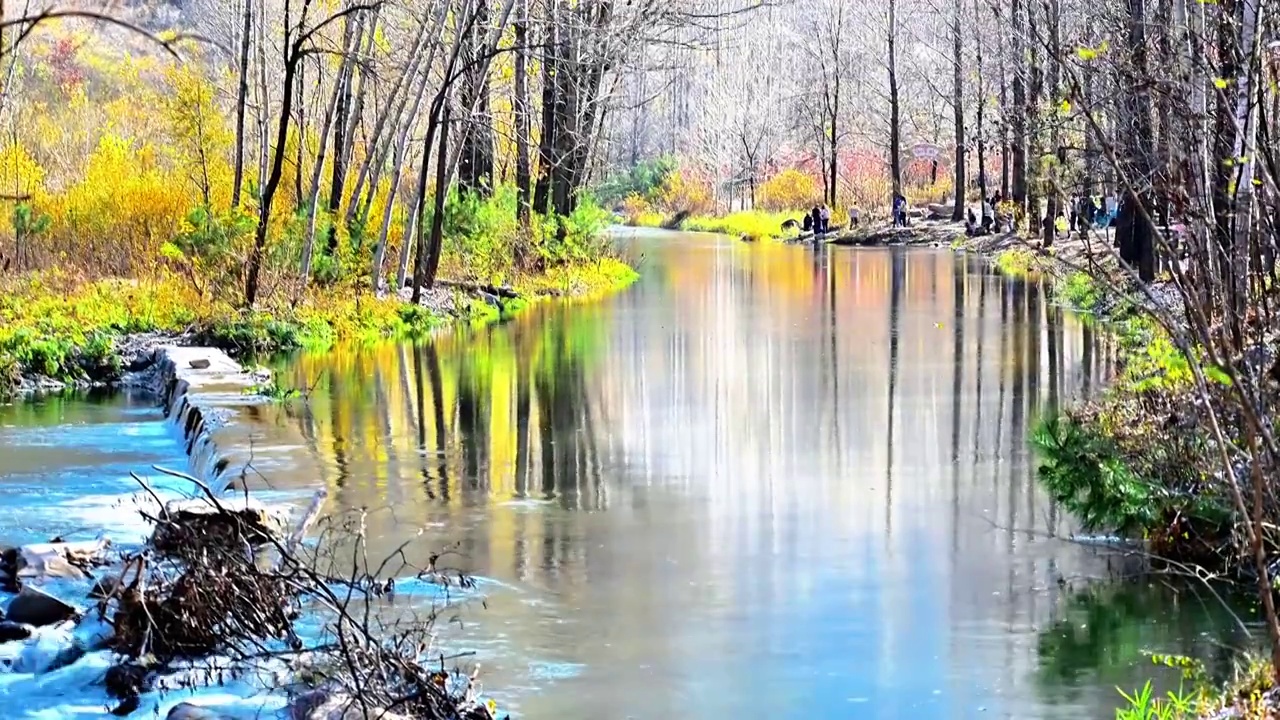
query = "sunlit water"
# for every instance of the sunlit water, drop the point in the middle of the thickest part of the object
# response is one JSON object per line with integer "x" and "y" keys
{"x": 765, "y": 481}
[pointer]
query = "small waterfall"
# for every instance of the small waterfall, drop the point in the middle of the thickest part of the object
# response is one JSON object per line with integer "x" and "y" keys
{"x": 178, "y": 382}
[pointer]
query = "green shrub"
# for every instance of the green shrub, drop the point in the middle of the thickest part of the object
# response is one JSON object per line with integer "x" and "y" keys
{"x": 645, "y": 179}
{"x": 1079, "y": 292}
{"x": 1082, "y": 470}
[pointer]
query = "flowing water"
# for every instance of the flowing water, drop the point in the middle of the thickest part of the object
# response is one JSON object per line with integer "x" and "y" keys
{"x": 766, "y": 481}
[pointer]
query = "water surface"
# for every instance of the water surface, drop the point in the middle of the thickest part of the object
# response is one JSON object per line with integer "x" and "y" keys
{"x": 766, "y": 481}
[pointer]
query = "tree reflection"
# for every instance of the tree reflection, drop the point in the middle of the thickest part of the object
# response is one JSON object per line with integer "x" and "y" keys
{"x": 1103, "y": 636}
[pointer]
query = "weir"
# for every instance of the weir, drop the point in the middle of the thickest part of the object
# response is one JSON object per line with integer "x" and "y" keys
{"x": 200, "y": 389}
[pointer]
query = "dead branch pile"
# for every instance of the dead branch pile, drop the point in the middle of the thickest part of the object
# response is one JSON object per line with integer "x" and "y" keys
{"x": 224, "y": 577}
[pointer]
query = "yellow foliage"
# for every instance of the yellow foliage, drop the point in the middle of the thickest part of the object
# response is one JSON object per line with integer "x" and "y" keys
{"x": 20, "y": 174}
{"x": 635, "y": 207}
{"x": 202, "y": 139}
{"x": 790, "y": 189}
{"x": 680, "y": 193}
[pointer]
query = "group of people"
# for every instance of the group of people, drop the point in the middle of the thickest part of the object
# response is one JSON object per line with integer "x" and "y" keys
{"x": 899, "y": 210}
{"x": 818, "y": 220}
{"x": 977, "y": 228}
{"x": 1085, "y": 213}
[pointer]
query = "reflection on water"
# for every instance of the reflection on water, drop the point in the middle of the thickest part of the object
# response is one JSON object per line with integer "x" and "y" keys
{"x": 764, "y": 482}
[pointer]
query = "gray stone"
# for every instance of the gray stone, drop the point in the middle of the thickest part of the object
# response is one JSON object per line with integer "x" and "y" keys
{"x": 63, "y": 560}
{"x": 36, "y": 607}
{"x": 199, "y": 363}
{"x": 105, "y": 587}
{"x": 187, "y": 711}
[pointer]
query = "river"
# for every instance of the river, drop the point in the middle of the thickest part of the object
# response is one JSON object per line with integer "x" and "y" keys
{"x": 765, "y": 481}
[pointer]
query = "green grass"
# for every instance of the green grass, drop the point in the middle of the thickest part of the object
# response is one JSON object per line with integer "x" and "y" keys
{"x": 753, "y": 225}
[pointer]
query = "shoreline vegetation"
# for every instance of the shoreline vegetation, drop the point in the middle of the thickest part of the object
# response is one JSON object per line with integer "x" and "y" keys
{"x": 145, "y": 199}
{"x": 59, "y": 332}
{"x": 1138, "y": 461}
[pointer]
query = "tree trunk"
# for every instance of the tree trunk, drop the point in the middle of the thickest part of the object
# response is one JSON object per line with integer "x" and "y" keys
{"x": 957, "y": 104}
{"x": 436, "y": 242}
{"x": 1246, "y": 129}
{"x": 264, "y": 99}
{"x": 1133, "y": 227}
{"x": 833, "y": 159}
{"x": 317, "y": 173}
{"x": 895, "y": 127}
{"x": 1031, "y": 115}
{"x": 389, "y": 117}
{"x": 550, "y": 65}
{"x": 242, "y": 98}
{"x": 1053, "y": 190}
{"x": 1018, "y": 143}
{"x": 420, "y": 253}
{"x": 408, "y": 239}
{"x": 981, "y": 96}
{"x": 475, "y": 170}
{"x": 273, "y": 180}
{"x": 521, "y": 108}
{"x": 402, "y": 151}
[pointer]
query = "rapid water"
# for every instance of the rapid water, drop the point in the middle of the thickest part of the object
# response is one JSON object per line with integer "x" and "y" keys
{"x": 766, "y": 481}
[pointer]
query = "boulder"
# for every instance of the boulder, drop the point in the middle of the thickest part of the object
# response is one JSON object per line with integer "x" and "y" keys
{"x": 10, "y": 631}
{"x": 36, "y": 607}
{"x": 187, "y": 711}
{"x": 105, "y": 587}
{"x": 66, "y": 560}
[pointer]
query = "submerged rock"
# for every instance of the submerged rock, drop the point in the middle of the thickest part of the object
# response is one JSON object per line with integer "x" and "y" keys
{"x": 34, "y": 606}
{"x": 187, "y": 711}
{"x": 93, "y": 632}
{"x": 326, "y": 704}
{"x": 105, "y": 587}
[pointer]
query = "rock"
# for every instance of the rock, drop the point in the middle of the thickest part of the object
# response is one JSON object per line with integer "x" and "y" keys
{"x": 105, "y": 587}
{"x": 53, "y": 567}
{"x": 127, "y": 680}
{"x": 67, "y": 560}
{"x": 199, "y": 363}
{"x": 325, "y": 704}
{"x": 10, "y": 631}
{"x": 36, "y": 607}
{"x": 187, "y": 711}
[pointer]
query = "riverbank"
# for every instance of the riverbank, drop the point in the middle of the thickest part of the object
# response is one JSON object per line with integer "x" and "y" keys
{"x": 58, "y": 332}
{"x": 209, "y": 592}
{"x": 1137, "y": 459}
